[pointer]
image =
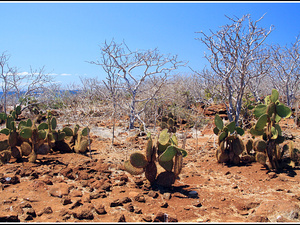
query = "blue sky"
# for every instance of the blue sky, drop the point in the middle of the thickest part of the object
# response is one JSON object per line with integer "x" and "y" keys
{"x": 62, "y": 36}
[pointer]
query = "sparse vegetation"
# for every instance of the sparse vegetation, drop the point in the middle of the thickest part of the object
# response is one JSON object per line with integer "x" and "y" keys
{"x": 161, "y": 111}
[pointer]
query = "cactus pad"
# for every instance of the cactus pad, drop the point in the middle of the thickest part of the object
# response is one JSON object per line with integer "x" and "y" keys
{"x": 13, "y": 138}
{"x": 16, "y": 153}
{"x": 260, "y": 110}
{"x": 82, "y": 146}
{"x": 274, "y": 96}
{"x": 249, "y": 145}
{"x": 131, "y": 169}
{"x": 222, "y": 157}
{"x": 4, "y": 145}
{"x": 42, "y": 126}
{"x": 26, "y": 148}
{"x": 68, "y": 131}
{"x": 149, "y": 149}
{"x": 178, "y": 164}
{"x": 218, "y": 122}
{"x": 5, "y": 131}
{"x": 238, "y": 146}
{"x": 32, "y": 157}
{"x": 261, "y": 158}
{"x": 231, "y": 127}
{"x": 168, "y": 154}
{"x": 261, "y": 122}
{"x": 138, "y": 160}
{"x": 44, "y": 149}
{"x": 164, "y": 137}
{"x": 26, "y": 133}
{"x": 5, "y": 156}
{"x": 151, "y": 171}
{"x": 53, "y": 123}
{"x": 283, "y": 111}
{"x": 85, "y": 131}
{"x": 259, "y": 145}
{"x": 167, "y": 165}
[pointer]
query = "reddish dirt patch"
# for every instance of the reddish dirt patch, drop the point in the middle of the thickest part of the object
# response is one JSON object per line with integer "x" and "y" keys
{"x": 76, "y": 188}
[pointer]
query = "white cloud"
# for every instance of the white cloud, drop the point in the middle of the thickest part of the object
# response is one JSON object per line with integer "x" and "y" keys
{"x": 65, "y": 74}
{"x": 23, "y": 73}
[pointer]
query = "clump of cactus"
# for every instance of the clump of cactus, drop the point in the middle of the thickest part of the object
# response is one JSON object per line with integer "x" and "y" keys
{"x": 229, "y": 141}
{"x": 139, "y": 163}
{"x": 13, "y": 132}
{"x": 168, "y": 122}
{"x": 78, "y": 140}
{"x": 268, "y": 115}
{"x": 164, "y": 151}
{"x": 294, "y": 154}
{"x": 35, "y": 140}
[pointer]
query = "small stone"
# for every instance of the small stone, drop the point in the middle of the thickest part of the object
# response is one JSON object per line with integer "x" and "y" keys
{"x": 82, "y": 175}
{"x": 66, "y": 217}
{"x": 106, "y": 186}
{"x": 76, "y": 204}
{"x": 86, "y": 198}
{"x": 48, "y": 181}
{"x": 59, "y": 190}
{"x": 28, "y": 217}
{"x": 116, "y": 203}
{"x": 197, "y": 204}
{"x": 139, "y": 182}
{"x": 272, "y": 175}
{"x": 294, "y": 215}
{"x": 31, "y": 211}
{"x": 63, "y": 212}
{"x": 164, "y": 205}
{"x": 153, "y": 194}
{"x": 84, "y": 214}
{"x": 25, "y": 205}
{"x": 129, "y": 207}
{"x": 147, "y": 218}
{"x": 122, "y": 218}
{"x": 138, "y": 211}
{"x": 66, "y": 200}
{"x": 100, "y": 209}
{"x": 9, "y": 218}
{"x": 167, "y": 196}
{"x": 161, "y": 217}
{"x": 125, "y": 200}
{"x": 76, "y": 193}
{"x": 140, "y": 198}
{"x": 48, "y": 210}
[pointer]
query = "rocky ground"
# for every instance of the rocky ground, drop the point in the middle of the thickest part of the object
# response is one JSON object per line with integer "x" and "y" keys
{"x": 94, "y": 187}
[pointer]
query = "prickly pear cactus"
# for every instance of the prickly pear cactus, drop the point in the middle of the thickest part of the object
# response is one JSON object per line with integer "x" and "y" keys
{"x": 267, "y": 128}
{"x": 230, "y": 144}
{"x": 139, "y": 163}
{"x": 77, "y": 140}
{"x": 168, "y": 122}
{"x": 165, "y": 152}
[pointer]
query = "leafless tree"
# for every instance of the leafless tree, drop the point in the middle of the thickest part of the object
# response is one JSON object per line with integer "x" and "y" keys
{"x": 21, "y": 86}
{"x": 129, "y": 70}
{"x": 7, "y": 75}
{"x": 30, "y": 84}
{"x": 260, "y": 84}
{"x": 234, "y": 48}
{"x": 286, "y": 74}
